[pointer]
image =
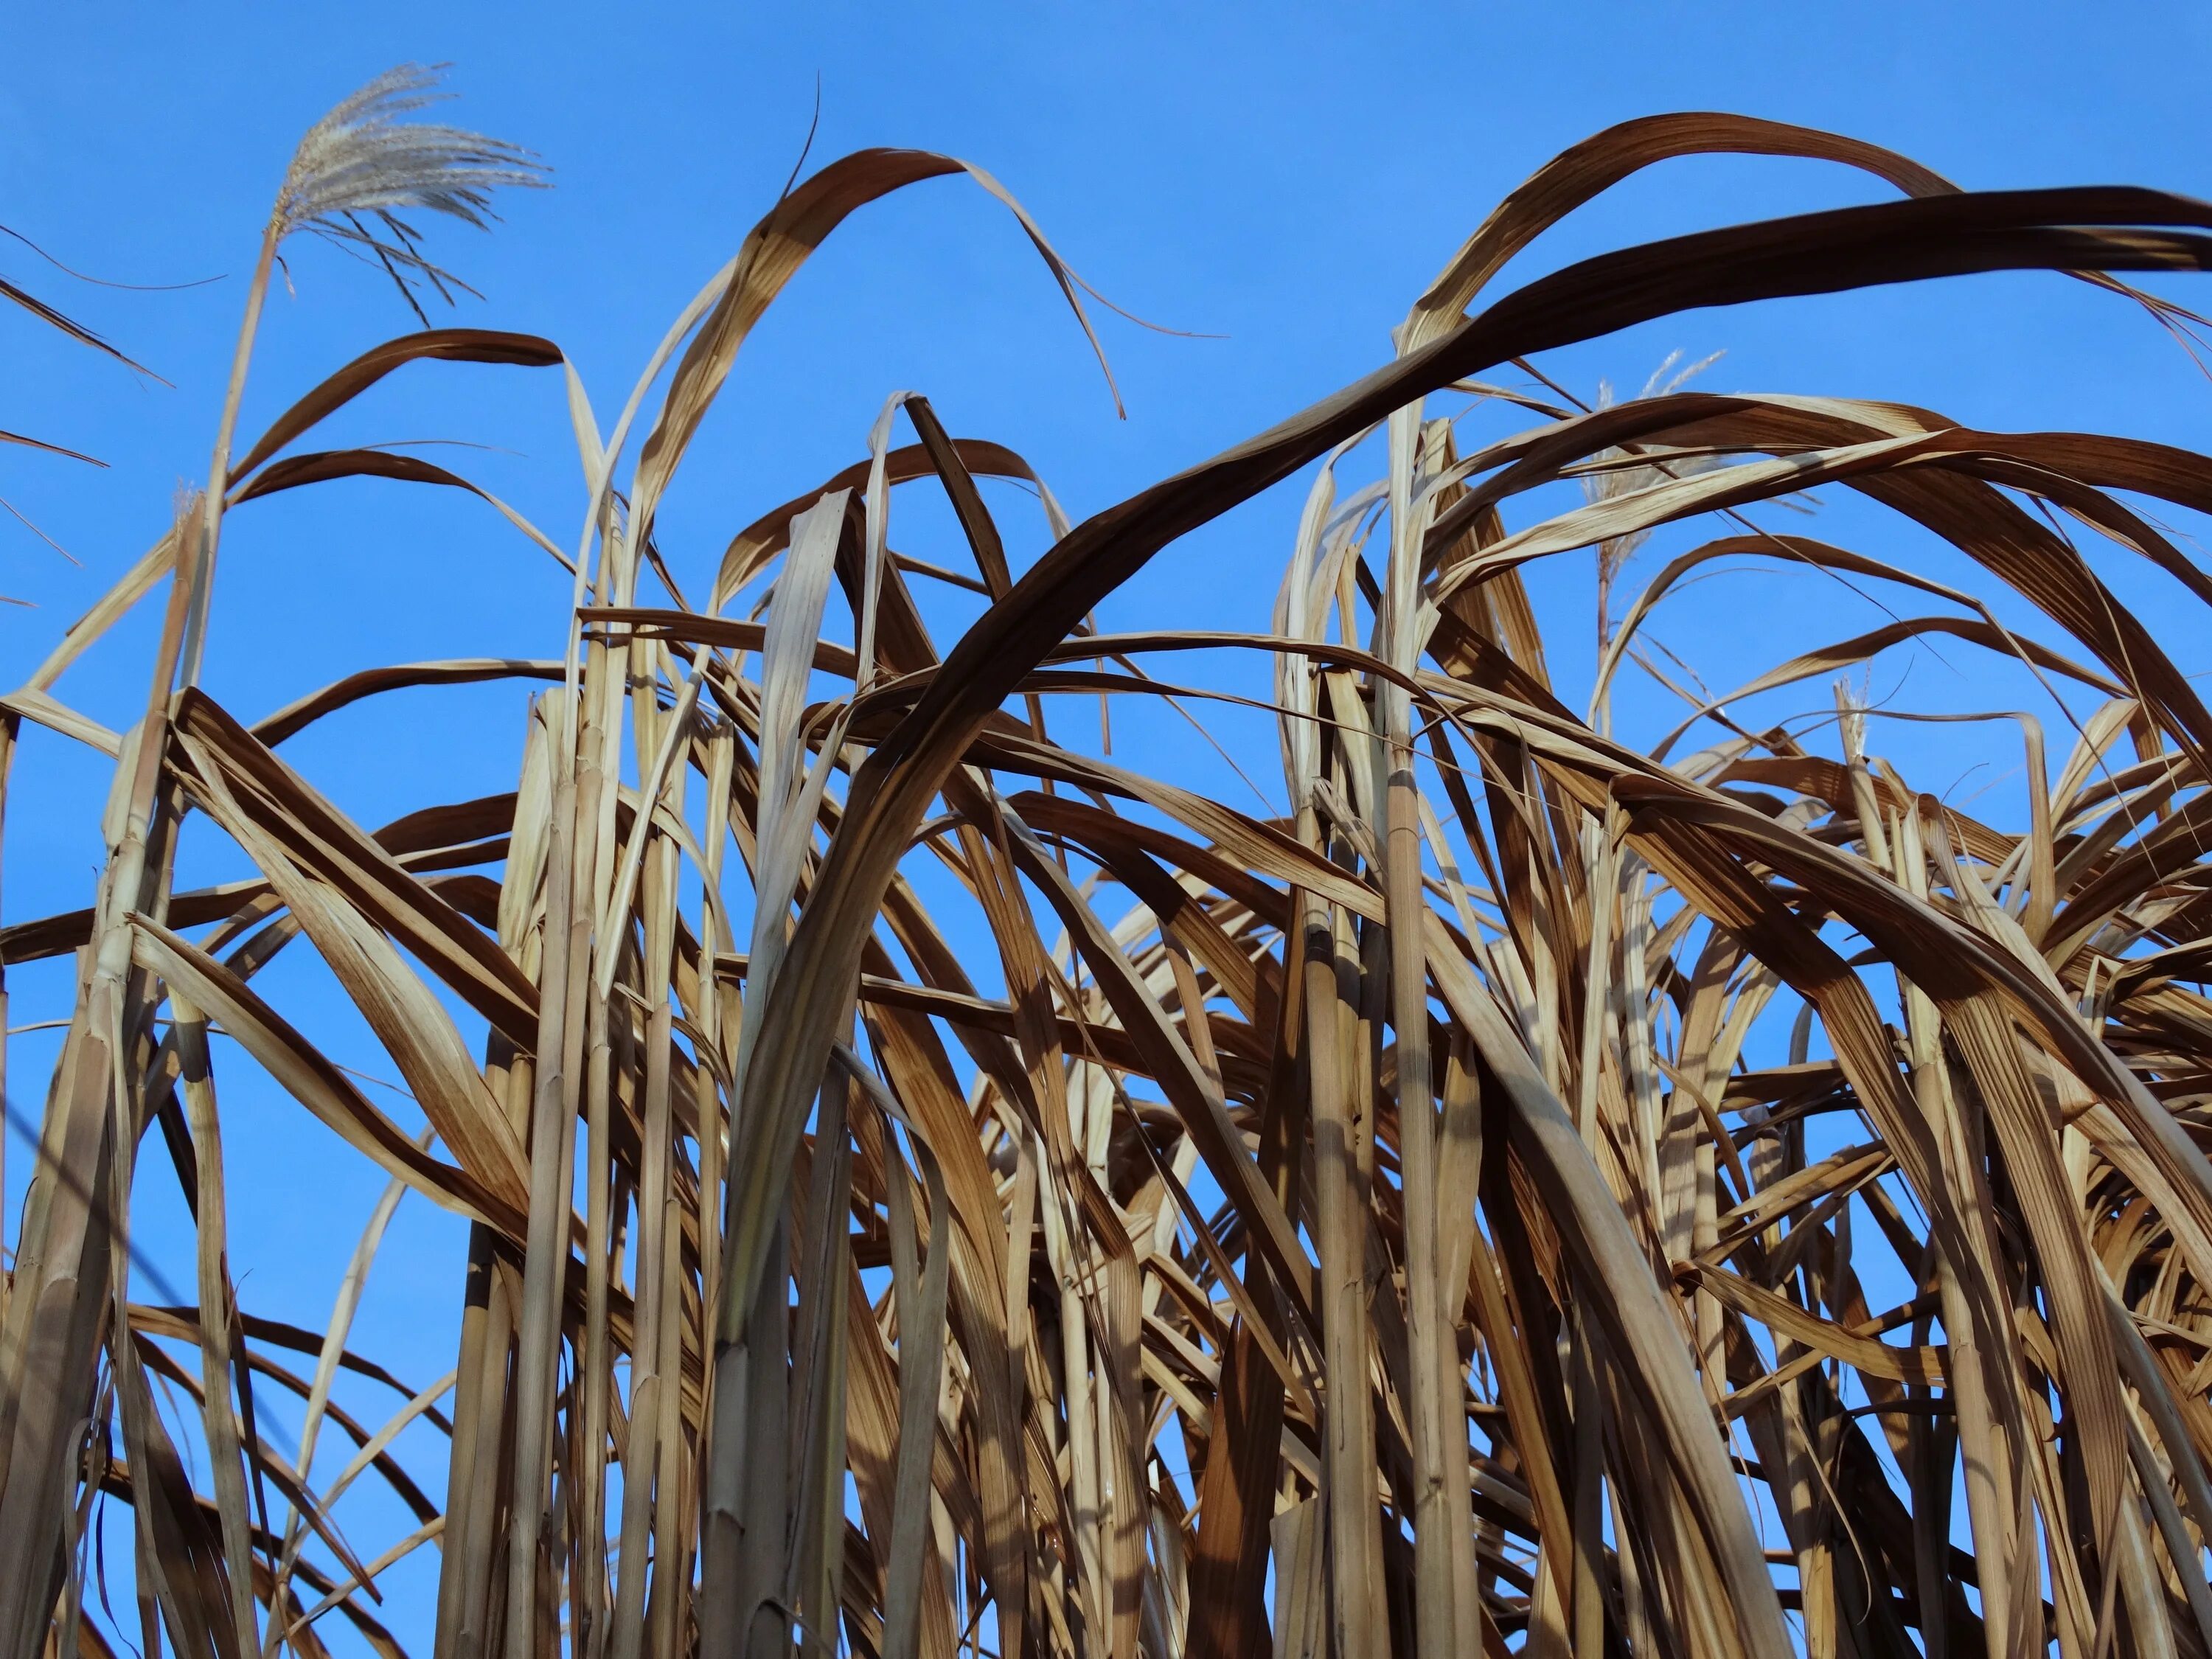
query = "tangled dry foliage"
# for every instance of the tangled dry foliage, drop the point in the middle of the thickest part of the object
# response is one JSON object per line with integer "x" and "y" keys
{"x": 1353, "y": 1233}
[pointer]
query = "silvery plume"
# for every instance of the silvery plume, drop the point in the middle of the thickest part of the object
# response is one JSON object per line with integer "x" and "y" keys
{"x": 362, "y": 163}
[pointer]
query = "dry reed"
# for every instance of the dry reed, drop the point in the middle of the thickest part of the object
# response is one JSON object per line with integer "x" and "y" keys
{"x": 1371, "y": 1233}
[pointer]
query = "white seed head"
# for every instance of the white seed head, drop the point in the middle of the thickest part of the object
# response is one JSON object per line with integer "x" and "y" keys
{"x": 364, "y": 163}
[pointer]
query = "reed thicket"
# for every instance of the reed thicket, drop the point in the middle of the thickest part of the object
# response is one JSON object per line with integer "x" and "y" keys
{"x": 1437, "y": 1219}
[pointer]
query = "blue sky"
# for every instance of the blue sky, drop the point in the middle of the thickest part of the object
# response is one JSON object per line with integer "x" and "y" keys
{"x": 1285, "y": 178}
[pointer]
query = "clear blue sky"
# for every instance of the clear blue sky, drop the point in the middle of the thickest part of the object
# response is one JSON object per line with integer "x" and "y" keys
{"x": 1287, "y": 177}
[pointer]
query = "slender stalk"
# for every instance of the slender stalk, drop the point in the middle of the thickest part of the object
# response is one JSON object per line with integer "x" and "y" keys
{"x": 216, "y": 1314}
{"x": 201, "y": 598}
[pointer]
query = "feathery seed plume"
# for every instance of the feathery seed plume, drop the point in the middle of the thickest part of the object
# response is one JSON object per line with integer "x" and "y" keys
{"x": 363, "y": 162}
